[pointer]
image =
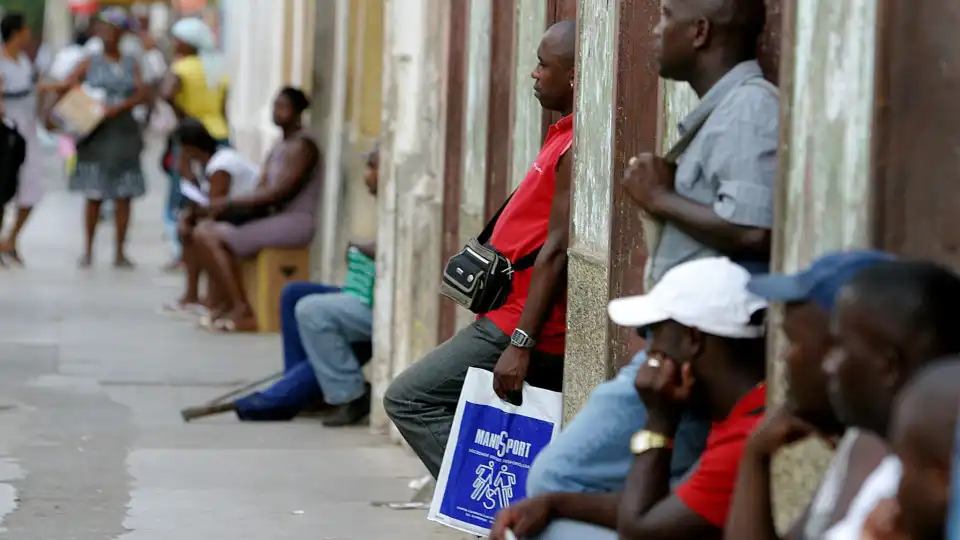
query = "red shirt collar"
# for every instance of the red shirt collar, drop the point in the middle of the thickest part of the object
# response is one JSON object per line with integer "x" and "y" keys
{"x": 564, "y": 124}
{"x": 750, "y": 404}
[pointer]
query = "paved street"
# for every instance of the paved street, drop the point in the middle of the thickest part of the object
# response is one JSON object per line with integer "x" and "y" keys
{"x": 91, "y": 444}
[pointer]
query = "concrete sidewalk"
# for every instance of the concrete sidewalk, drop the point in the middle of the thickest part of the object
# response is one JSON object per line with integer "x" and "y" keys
{"x": 92, "y": 379}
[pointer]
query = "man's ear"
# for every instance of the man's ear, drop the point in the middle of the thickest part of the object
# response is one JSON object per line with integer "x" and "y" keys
{"x": 893, "y": 367}
{"x": 695, "y": 343}
{"x": 702, "y": 33}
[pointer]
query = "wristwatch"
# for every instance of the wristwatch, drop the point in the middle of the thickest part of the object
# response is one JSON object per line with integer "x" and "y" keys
{"x": 644, "y": 440}
{"x": 522, "y": 340}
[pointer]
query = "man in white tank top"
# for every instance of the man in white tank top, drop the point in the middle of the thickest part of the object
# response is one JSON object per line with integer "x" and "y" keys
{"x": 891, "y": 321}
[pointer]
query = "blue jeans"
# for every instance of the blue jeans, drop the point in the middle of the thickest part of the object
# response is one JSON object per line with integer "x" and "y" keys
{"x": 329, "y": 325}
{"x": 298, "y": 388}
{"x": 174, "y": 199}
{"x": 592, "y": 453}
{"x": 565, "y": 529}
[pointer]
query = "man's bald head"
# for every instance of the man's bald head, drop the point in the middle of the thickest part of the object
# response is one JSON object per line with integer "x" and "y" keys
{"x": 891, "y": 320}
{"x": 742, "y": 14}
{"x": 556, "y": 59}
{"x": 927, "y": 410}
{"x": 923, "y": 436}
{"x": 561, "y": 40}
{"x": 913, "y": 305}
{"x": 698, "y": 35}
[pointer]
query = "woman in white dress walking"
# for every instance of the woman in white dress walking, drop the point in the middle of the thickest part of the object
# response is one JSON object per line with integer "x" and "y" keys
{"x": 20, "y": 91}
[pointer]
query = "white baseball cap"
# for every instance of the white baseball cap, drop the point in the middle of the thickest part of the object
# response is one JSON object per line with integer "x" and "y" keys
{"x": 708, "y": 294}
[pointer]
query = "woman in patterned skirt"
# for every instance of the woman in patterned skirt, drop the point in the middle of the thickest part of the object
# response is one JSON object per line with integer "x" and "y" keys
{"x": 108, "y": 160}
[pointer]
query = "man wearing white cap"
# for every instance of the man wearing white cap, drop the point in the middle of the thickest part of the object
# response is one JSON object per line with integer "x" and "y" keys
{"x": 706, "y": 353}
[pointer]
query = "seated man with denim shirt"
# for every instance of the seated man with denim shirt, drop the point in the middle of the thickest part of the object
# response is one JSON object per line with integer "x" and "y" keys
{"x": 707, "y": 353}
{"x": 718, "y": 201}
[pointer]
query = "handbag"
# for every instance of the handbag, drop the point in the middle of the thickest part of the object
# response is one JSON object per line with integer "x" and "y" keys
{"x": 13, "y": 154}
{"x": 489, "y": 453}
{"x": 479, "y": 277}
{"x": 162, "y": 120}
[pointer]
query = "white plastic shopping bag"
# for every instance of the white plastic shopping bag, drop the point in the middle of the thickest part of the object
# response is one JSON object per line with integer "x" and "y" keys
{"x": 488, "y": 456}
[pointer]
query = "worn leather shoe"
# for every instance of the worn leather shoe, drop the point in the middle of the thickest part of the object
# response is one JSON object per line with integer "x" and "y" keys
{"x": 350, "y": 414}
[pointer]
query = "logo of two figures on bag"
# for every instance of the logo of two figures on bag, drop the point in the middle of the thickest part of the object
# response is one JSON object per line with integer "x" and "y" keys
{"x": 494, "y": 486}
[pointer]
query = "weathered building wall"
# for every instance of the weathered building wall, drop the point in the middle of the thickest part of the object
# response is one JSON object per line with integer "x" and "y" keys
{"x": 917, "y": 130}
{"x": 353, "y": 213}
{"x": 527, "y": 113}
{"x": 824, "y": 192}
{"x": 409, "y": 235}
{"x": 282, "y": 54}
{"x": 455, "y": 134}
{"x": 473, "y": 174}
{"x": 585, "y": 364}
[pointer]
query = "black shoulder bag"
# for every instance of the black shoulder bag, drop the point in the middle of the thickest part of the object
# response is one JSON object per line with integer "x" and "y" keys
{"x": 480, "y": 278}
{"x": 13, "y": 153}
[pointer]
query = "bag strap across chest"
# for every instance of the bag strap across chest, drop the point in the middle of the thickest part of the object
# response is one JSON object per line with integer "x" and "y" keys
{"x": 522, "y": 263}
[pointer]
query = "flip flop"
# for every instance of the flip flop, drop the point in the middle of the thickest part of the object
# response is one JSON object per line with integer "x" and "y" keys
{"x": 206, "y": 322}
{"x": 12, "y": 256}
{"x": 191, "y": 309}
{"x": 198, "y": 310}
{"x": 229, "y": 326}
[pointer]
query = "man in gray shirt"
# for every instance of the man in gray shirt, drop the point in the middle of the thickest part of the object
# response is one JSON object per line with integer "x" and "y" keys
{"x": 716, "y": 201}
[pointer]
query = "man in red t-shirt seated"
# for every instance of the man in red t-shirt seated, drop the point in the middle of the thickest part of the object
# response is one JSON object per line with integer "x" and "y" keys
{"x": 706, "y": 352}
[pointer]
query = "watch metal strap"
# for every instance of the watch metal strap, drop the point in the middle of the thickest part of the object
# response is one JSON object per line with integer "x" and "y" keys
{"x": 521, "y": 339}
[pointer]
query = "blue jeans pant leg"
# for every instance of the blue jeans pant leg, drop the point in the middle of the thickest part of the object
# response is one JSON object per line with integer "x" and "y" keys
{"x": 284, "y": 399}
{"x": 329, "y": 324}
{"x": 293, "y": 352}
{"x": 564, "y": 529}
{"x": 170, "y": 211}
{"x": 592, "y": 453}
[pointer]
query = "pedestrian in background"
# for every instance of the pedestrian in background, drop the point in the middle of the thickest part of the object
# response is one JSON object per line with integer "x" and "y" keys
{"x": 197, "y": 87}
{"x": 108, "y": 161}
{"x": 20, "y": 90}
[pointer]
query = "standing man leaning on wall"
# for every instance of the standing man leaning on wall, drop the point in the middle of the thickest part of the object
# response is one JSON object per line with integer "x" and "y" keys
{"x": 716, "y": 201}
{"x": 524, "y": 338}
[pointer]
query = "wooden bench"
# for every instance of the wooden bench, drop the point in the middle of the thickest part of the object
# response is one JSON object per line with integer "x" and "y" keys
{"x": 264, "y": 278}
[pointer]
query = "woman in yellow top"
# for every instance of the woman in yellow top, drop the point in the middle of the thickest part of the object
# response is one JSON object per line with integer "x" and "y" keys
{"x": 197, "y": 87}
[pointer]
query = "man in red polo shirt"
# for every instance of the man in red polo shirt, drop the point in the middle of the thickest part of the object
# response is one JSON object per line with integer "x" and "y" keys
{"x": 706, "y": 352}
{"x": 523, "y": 339}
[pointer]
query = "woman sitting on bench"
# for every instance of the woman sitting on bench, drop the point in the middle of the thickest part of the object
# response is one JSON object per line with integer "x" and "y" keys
{"x": 215, "y": 171}
{"x": 326, "y": 335}
{"x": 286, "y": 198}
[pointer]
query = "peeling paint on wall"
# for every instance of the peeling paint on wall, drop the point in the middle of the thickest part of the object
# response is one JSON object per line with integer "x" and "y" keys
{"x": 593, "y": 136}
{"x": 585, "y": 358}
{"x": 383, "y": 315}
{"x": 410, "y": 233}
{"x": 832, "y": 106}
{"x": 531, "y": 23}
{"x": 678, "y": 100}
{"x": 475, "y": 128}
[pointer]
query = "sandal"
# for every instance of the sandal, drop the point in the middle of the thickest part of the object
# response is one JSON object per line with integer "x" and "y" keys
{"x": 207, "y": 322}
{"x": 230, "y": 326}
{"x": 123, "y": 263}
{"x": 175, "y": 307}
{"x": 12, "y": 256}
